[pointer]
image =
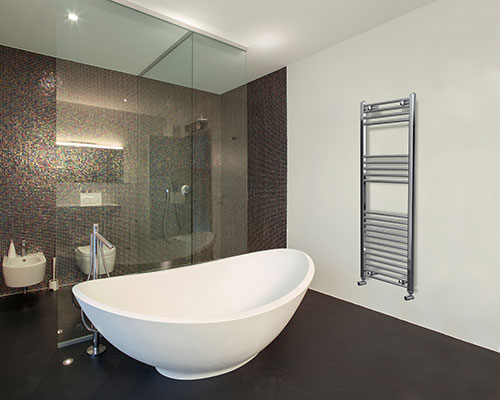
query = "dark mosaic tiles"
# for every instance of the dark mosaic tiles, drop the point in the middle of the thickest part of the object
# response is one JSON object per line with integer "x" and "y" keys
{"x": 40, "y": 182}
{"x": 27, "y": 142}
{"x": 44, "y": 100}
{"x": 267, "y": 162}
{"x": 80, "y": 164}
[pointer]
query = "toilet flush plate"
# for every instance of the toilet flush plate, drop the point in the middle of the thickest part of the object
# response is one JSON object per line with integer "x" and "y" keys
{"x": 90, "y": 199}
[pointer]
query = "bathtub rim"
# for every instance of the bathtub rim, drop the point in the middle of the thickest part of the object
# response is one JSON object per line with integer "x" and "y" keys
{"x": 297, "y": 291}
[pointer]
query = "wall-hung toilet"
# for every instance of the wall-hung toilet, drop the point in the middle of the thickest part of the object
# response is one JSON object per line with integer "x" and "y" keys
{"x": 82, "y": 255}
{"x": 23, "y": 271}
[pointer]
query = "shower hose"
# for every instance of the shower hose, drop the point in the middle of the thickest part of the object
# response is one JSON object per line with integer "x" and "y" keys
{"x": 165, "y": 219}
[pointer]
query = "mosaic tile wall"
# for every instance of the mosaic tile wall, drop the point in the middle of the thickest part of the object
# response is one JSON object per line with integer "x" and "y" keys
{"x": 267, "y": 162}
{"x": 27, "y": 150}
{"x": 165, "y": 121}
{"x": 90, "y": 108}
{"x": 170, "y": 168}
{"x": 44, "y": 100}
{"x": 234, "y": 179}
{"x": 207, "y": 105}
{"x": 101, "y": 165}
{"x": 41, "y": 182}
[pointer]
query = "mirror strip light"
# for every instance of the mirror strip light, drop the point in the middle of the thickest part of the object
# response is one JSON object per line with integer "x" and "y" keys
{"x": 93, "y": 145}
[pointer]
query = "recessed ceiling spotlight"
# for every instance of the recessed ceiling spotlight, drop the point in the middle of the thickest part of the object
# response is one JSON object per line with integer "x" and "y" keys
{"x": 125, "y": 100}
{"x": 73, "y": 17}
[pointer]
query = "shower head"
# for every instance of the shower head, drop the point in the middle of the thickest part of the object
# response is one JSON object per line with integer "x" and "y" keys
{"x": 198, "y": 125}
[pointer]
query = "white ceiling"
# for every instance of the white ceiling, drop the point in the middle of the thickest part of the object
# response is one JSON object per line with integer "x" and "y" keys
{"x": 279, "y": 32}
{"x": 118, "y": 38}
{"x": 275, "y": 32}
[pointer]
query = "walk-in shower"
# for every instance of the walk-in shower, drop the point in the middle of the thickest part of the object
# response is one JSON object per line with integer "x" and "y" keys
{"x": 145, "y": 116}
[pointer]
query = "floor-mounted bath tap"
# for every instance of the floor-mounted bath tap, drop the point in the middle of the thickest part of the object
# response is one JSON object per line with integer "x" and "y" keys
{"x": 96, "y": 243}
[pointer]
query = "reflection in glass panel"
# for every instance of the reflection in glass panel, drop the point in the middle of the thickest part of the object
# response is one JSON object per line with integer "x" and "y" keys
{"x": 165, "y": 101}
{"x": 159, "y": 164}
{"x": 220, "y": 106}
{"x": 171, "y": 66}
{"x": 111, "y": 36}
{"x": 111, "y": 128}
{"x": 217, "y": 67}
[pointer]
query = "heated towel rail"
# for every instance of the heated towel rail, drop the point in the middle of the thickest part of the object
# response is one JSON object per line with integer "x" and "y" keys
{"x": 387, "y": 238}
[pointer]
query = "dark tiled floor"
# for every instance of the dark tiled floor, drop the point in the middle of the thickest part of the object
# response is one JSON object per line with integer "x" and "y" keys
{"x": 28, "y": 337}
{"x": 69, "y": 320}
{"x": 330, "y": 350}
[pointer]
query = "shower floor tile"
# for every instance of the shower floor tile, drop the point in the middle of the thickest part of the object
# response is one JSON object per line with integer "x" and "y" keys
{"x": 331, "y": 349}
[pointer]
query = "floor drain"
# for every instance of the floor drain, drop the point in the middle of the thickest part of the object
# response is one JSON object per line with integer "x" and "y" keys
{"x": 68, "y": 361}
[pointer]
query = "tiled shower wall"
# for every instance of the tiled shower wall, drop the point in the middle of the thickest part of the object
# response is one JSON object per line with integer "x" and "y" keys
{"x": 267, "y": 162}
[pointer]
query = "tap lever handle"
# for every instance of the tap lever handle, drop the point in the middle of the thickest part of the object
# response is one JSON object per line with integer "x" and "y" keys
{"x": 104, "y": 241}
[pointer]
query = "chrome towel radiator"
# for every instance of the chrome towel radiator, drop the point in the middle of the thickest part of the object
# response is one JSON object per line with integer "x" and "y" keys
{"x": 387, "y": 238}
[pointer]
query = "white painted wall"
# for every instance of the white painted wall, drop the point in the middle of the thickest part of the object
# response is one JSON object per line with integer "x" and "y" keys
{"x": 449, "y": 54}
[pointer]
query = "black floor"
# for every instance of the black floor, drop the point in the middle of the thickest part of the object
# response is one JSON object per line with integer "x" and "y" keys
{"x": 69, "y": 319}
{"x": 330, "y": 350}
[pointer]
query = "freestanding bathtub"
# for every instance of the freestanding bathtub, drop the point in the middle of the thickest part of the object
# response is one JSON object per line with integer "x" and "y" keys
{"x": 203, "y": 320}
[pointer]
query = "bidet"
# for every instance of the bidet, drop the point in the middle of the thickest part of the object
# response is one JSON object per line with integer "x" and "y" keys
{"x": 23, "y": 271}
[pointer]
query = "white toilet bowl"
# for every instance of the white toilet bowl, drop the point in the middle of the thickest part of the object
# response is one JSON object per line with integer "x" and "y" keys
{"x": 82, "y": 255}
{"x": 23, "y": 271}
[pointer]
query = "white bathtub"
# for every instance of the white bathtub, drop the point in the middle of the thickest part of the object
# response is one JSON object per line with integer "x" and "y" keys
{"x": 203, "y": 320}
